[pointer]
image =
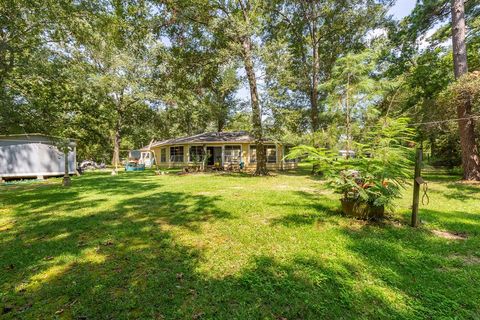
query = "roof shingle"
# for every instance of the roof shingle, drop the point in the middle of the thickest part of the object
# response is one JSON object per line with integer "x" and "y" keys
{"x": 211, "y": 137}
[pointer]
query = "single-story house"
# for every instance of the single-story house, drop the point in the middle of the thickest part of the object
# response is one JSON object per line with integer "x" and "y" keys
{"x": 221, "y": 149}
{"x": 33, "y": 156}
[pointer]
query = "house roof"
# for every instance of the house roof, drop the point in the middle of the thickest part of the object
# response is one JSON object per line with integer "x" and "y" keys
{"x": 31, "y": 136}
{"x": 210, "y": 137}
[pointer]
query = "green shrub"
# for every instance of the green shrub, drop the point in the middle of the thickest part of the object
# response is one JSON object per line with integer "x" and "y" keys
{"x": 380, "y": 169}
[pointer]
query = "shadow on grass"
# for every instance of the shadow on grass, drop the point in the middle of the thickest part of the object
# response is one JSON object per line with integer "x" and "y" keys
{"x": 126, "y": 262}
{"x": 416, "y": 264}
{"x": 462, "y": 191}
{"x": 440, "y": 176}
{"x": 421, "y": 266}
{"x": 50, "y": 261}
{"x": 323, "y": 209}
{"x": 452, "y": 221}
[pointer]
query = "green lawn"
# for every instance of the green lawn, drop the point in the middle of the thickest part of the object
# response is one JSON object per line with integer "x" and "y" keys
{"x": 140, "y": 246}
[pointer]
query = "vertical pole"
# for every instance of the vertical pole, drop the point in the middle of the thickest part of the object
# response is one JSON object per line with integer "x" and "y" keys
{"x": 416, "y": 186}
{"x": 66, "y": 177}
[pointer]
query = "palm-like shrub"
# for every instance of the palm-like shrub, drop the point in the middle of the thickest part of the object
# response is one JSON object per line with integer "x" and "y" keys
{"x": 378, "y": 172}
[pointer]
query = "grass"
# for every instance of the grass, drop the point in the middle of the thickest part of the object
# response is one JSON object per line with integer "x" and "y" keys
{"x": 140, "y": 246}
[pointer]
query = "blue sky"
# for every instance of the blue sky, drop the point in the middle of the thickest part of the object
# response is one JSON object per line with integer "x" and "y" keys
{"x": 402, "y": 8}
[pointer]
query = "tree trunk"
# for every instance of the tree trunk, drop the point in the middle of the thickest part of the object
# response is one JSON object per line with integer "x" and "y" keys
{"x": 470, "y": 157}
{"x": 116, "y": 149}
{"x": 347, "y": 118}
{"x": 256, "y": 111}
{"x": 433, "y": 150}
{"x": 222, "y": 117}
{"x": 314, "y": 88}
{"x": 458, "y": 38}
{"x": 117, "y": 139}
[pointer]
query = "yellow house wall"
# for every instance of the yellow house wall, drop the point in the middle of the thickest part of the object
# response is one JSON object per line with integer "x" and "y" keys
{"x": 245, "y": 157}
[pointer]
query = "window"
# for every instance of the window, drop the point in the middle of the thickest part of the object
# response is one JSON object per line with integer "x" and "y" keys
{"x": 176, "y": 154}
{"x": 253, "y": 154}
{"x": 163, "y": 155}
{"x": 287, "y": 150}
{"x": 271, "y": 153}
{"x": 197, "y": 154}
{"x": 233, "y": 154}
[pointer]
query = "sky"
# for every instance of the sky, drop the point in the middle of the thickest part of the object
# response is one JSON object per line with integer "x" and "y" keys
{"x": 402, "y": 8}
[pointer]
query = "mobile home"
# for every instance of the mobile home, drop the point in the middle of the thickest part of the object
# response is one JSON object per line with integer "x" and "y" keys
{"x": 33, "y": 156}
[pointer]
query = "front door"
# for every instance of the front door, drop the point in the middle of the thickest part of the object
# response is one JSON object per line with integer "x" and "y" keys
{"x": 214, "y": 155}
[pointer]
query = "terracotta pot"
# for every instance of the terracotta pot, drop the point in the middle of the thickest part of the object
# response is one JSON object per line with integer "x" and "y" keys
{"x": 362, "y": 210}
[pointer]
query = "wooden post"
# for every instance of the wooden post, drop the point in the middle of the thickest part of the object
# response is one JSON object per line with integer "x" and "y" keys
{"x": 66, "y": 177}
{"x": 416, "y": 186}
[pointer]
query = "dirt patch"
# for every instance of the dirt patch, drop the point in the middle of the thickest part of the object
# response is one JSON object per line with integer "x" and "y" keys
{"x": 468, "y": 183}
{"x": 355, "y": 225}
{"x": 396, "y": 223}
{"x": 205, "y": 193}
{"x": 449, "y": 235}
{"x": 466, "y": 260}
{"x": 309, "y": 190}
{"x": 286, "y": 187}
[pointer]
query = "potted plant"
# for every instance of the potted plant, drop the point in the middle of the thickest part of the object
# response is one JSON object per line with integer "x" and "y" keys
{"x": 370, "y": 181}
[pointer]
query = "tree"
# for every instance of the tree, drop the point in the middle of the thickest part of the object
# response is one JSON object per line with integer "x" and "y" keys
{"x": 23, "y": 62}
{"x": 470, "y": 156}
{"x": 245, "y": 40}
{"x": 426, "y": 14}
{"x": 353, "y": 90}
{"x": 116, "y": 61}
{"x": 221, "y": 95}
{"x": 316, "y": 34}
{"x": 235, "y": 25}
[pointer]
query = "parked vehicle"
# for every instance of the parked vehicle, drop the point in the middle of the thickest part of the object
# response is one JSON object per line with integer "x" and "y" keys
{"x": 91, "y": 165}
{"x": 146, "y": 158}
{"x": 134, "y": 166}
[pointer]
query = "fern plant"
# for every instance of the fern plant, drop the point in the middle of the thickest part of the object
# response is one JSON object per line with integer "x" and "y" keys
{"x": 380, "y": 169}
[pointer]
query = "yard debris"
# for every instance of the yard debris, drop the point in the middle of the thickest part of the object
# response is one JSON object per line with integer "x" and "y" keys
{"x": 70, "y": 304}
{"x": 59, "y": 311}
{"x": 108, "y": 243}
{"x": 26, "y": 307}
{"x": 396, "y": 223}
{"x": 449, "y": 235}
{"x": 179, "y": 276}
{"x": 198, "y": 315}
{"x": 7, "y": 309}
{"x": 10, "y": 267}
{"x": 48, "y": 258}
